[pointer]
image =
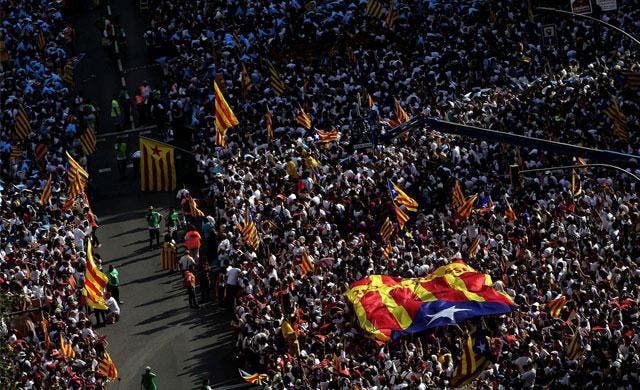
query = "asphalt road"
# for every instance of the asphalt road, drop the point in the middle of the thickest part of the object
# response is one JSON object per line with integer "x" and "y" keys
{"x": 156, "y": 328}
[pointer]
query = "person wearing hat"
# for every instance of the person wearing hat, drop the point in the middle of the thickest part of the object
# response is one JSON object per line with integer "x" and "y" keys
{"x": 153, "y": 221}
{"x": 148, "y": 381}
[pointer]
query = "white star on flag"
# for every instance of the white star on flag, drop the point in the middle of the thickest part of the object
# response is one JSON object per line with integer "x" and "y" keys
{"x": 446, "y": 313}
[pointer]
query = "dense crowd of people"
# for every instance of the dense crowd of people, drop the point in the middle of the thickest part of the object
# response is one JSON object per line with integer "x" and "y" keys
{"x": 43, "y": 247}
{"x": 481, "y": 63}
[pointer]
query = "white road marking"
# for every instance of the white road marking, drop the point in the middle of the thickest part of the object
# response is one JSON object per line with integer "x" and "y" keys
{"x": 119, "y": 64}
{"x": 104, "y": 170}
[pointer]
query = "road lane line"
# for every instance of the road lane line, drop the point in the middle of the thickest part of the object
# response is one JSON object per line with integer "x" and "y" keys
{"x": 104, "y": 170}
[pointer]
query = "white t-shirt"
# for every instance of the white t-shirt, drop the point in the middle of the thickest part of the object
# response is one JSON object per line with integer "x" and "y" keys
{"x": 232, "y": 275}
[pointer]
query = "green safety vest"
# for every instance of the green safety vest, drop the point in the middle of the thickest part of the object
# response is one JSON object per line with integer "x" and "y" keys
{"x": 115, "y": 108}
{"x": 121, "y": 150}
{"x": 153, "y": 219}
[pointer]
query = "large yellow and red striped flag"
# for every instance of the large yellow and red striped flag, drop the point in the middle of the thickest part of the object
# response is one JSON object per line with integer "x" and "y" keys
{"x": 386, "y": 230}
{"x": 391, "y": 307}
{"x": 66, "y": 350}
{"x": 157, "y": 166}
{"x": 46, "y": 191}
{"x": 107, "y": 367}
{"x": 225, "y": 118}
{"x": 95, "y": 281}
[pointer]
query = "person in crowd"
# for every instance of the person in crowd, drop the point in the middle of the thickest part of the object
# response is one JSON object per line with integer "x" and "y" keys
{"x": 153, "y": 222}
{"x": 189, "y": 281}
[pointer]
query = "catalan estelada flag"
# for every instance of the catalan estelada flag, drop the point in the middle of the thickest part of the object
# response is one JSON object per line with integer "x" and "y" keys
{"x": 484, "y": 205}
{"x": 391, "y": 307}
{"x": 107, "y": 367}
{"x": 374, "y": 9}
{"x": 46, "y": 192}
{"x": 402, "y": 217}
{"x": 277, "y": 84}
{"x": 555, "y": 306}
{"x": 631, "y": 79}
{"x": 256, "y": 379}
{"x": 268, "y": 117}
{"x": 249, "y": 230}
{"x": 386, "y": 252}
{"x": 246, "y": 82}
{"x": 386, "y": 230}
{"x": 303, "y": 119}
{"x": 225, "y": 118}
{"x": 400, "y": 197}
{"x": 576, "y": 187}
{"x": 473, "y": 248}
{"x": 88, "y": 141}
{"x": 465, "y": 211}
{"x": 617, "y": 118}
{"x": 457, "y": 197}
{"x": 306, "y": 265}
{"x": 391, "y": 15}
{"x": 66, "y": 350}
{"x": 95, "y": 282}
{"x": 322, "y": 137}
{"x": 474, "y": 359}
{"x": 401, "y": 116}
{"x": 40, "y": 152}
{"x": 509, "y": 213}
{"x": 193, "y": 206}
{"x": 23, "y": 126}
{"x": 575, "y": 349}
{"x": 157, "y": 166}
{"x": 78, "y": 178}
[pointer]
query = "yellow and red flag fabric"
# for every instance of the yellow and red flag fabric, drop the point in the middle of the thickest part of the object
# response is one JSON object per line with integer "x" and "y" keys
{"x": 269, "y": 120}
{"x": 225, "y": 118}
{"x": 401, "y": 116}
{"x": 78, "y": 179}
{"x": 291, "y": 337}
{"x": 246, "y": 82}
{"x": 107, "y": 367}
{"x": 617, "y": 118}
{"x": 474, "y": 360}
{"x": 157, "y": 166}
{"x": 307, "y": 264}
{"x": 465, "y": 211}
{"x": 88, "y": 141}
{"x": 46, "y": 191}
{"x": 40, "y": 152}
{"x": 575, "y": 349}
{"x": 255, "y": 379}
{"x": 386, "y": 252}
{"x": 473, "y": 248}
{"x": 555, "y": 306}
{"x": 576, "y": 186}
{"x": 386, "y": 230}
{"x": 457, "y": 198}
{"x": 510, "y": 214}
{"x": 66, "y": 350}
{"x": 23, "y": 126}
{"x": 400, "y": 197}
{"x": 390, "y": 307}
{"x": 193, "y": 206}
{"x": 249, "y": 230}
{"x": 303, "y": 119}
{"x": 95, "y": 282}
{"x": 325, "y": 136}
{"x": 402, "y": 217}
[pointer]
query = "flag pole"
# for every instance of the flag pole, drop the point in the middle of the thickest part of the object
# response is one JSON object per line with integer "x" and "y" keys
{"x": 169, "y": 145}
